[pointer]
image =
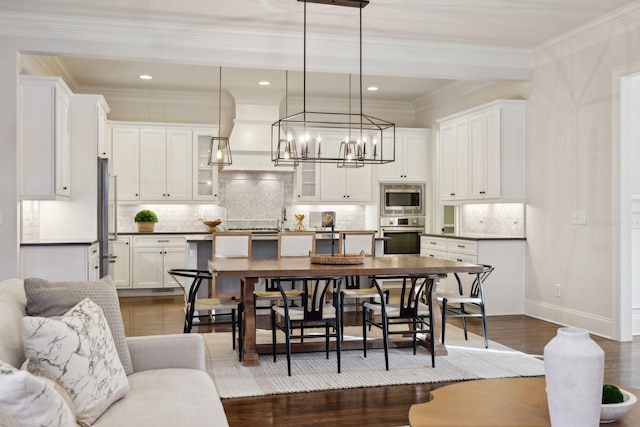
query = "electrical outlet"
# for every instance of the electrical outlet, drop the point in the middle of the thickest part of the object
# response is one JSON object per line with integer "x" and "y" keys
{"x": 578, "y": 217}
{"x": 556, "y": 290}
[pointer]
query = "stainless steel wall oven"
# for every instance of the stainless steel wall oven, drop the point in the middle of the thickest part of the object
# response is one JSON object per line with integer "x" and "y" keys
{"x": 403, "y": 234}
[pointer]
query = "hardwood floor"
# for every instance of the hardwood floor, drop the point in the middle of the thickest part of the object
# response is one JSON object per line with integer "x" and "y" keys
{"x": 376, "y": 406}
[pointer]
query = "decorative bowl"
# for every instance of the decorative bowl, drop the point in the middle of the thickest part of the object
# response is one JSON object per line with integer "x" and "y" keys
{"x": 610, "y": 412}
{"x": 211, "y": 225}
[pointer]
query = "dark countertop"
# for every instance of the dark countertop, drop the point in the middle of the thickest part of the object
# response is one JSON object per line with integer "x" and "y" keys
{"x": 60, "y": 242}
{"x": 322, "y": 235}
{"x": 137, "y": 233}
{"x": 470, "y": 236}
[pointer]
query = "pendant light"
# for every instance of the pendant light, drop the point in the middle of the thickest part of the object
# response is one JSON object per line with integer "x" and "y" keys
{"x": 220, "y": 150}
{"x": 320, "y": 135}
{"x": 287, "y": 152}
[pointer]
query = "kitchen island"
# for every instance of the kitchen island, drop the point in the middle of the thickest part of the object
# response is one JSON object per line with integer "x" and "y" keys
{"x": 263, "y": 246}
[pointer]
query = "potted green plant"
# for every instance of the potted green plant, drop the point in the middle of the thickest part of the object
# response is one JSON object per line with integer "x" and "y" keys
{"x": 146, "y": 220}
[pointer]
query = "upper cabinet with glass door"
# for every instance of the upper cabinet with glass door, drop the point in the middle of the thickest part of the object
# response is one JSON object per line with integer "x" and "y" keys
{"x": 205, "y": 185}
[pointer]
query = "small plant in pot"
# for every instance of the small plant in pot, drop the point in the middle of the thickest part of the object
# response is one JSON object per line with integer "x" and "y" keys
{"x": 146, "y": 220}
{"x": 615, "y": 403}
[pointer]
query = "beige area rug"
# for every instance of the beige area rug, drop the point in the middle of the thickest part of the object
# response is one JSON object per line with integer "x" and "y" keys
{"x": 312, "y": 371}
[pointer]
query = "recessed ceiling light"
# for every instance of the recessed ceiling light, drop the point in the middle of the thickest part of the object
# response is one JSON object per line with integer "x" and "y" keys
{"x": 264, "y": 83}
{"x": 372, "y": 88}
{"x": 145, "y": 77}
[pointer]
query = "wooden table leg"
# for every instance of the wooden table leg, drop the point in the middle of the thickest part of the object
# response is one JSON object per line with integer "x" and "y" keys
{"x": 249, "y": 354}
{"x": 441, "y": 349}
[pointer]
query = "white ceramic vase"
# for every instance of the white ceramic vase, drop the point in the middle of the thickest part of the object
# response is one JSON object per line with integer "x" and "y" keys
{"x": 574, "y": 371}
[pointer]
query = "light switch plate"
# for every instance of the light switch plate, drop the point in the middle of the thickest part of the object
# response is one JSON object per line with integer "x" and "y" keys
{"x": 578, "y": 217}
{"x": 0, "y": 217}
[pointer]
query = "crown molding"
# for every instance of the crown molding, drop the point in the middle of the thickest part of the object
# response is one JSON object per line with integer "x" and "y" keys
{"x": 55, "y": 67}
{"x": 242, "y": 47}
{"x": 450, "y": 93}
{"x": 604, "y": 28}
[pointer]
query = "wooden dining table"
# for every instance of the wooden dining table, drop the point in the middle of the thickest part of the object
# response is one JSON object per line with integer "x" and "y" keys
{"x": 250, "y": 270}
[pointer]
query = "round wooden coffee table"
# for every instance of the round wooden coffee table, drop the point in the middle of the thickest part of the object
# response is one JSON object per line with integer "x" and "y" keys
{"x": 495, "y": 402}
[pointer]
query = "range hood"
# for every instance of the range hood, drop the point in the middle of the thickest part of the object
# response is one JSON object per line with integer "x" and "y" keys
{"x": 250, "y": 139}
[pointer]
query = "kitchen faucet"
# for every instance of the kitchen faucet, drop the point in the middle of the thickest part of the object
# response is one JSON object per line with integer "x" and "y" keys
{"x": 282, "y": 219}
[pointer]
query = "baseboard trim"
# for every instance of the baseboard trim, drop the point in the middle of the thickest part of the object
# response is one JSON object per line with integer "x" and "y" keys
{"x": 596, "y": 325}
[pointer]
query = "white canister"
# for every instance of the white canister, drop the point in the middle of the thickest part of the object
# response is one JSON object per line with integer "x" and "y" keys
{"x": 574, "y": 372}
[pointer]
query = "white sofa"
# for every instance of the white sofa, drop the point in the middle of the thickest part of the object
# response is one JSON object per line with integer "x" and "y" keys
{"x": 169, "y": 385}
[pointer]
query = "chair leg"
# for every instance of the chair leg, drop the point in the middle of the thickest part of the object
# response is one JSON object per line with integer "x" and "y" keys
{"x": 273, "y": 334}
{"x": 464, "y": 321}
{"x": 385, "y": 332}
{"x": 339, "y": 341}
{"x": 240, "y": 343}
{"x": 484, "y": 327}
{"x": 233, "y": 329}
{"x": 288, "y": 339}
{"x": 444, "y": 319}
{"x": 364, "y": 330}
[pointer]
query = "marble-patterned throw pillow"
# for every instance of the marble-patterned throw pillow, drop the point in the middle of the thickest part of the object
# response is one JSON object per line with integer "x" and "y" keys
{"x": 47, "y": 299}
{"x": 79, "y": 351}
{"x": 31, "y": 401}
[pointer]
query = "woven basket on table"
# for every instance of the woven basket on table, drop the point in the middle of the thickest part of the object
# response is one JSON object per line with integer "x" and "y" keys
{"x": 338, "y": 258}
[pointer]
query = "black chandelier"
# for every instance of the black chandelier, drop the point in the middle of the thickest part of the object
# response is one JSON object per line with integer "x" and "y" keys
{"x": 347, "y": 139}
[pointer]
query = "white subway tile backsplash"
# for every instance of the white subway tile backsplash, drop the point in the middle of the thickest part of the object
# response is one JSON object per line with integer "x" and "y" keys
{"x": 503, "y": 219}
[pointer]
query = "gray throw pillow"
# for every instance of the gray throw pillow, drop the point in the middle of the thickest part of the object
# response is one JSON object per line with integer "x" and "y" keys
{"x": 48, "y": 299}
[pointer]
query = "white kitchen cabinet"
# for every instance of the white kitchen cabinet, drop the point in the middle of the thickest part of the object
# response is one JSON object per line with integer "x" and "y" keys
{"x": 504, "y": 288}
{"x": 44, "y": 138}
{"x": 307, "y": 182}
{"x": 411, "y": 157}
{"x": 60, "y": 261}
{"x": 165, "y": 164}
{"x": 454, "y": 164}
{"x": 482, "y": 153}
{"x": 345, "y": 184}
{"x": 153, "y": 256}
{"x": 120, "y": 264}
{"x": 103, "y": 135}
{"x": 124, "y": 162}
{"x": 205, "y": 177}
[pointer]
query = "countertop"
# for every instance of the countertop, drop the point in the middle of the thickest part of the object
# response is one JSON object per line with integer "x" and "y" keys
{"x": 470, "y": 236}
{"x": 322, "y": 235}
{"x": 60, "y": 242}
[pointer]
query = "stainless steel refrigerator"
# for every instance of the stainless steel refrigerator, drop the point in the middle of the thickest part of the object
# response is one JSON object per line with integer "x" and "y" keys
{"x": 107, "y": 214}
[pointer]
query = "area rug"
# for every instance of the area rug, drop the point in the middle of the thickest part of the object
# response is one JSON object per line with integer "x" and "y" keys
{"x": 312, "y": 371}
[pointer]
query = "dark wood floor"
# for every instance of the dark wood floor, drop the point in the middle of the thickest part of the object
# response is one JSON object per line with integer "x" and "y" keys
{"x": 376, "y": 406}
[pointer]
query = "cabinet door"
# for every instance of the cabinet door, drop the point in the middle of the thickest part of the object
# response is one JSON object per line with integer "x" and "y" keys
{"x": 415, "y": 156}
{"x": 103, "y": 146}
{"x": 332, "y": 187}
{"x": 205, "y": 177}
{"x": 62, "y": 144}
{"x": 120, "y": 267}
{"x": 358, "y": 184}
{"x": 447, "y": 162}
{"x": 148, "y": 271}
{"x": 394, "y": 171}
{"x": 477, "y": 156}
{"x": 173, "y": 258}
{"x": 178, "y": 164}
{"x": 307, "y": 183}
{"x": 493, "y": 154}
{"x": 461, "y": 188}
{"x": 125, "y": 161}
{"x": 153, "y": 161}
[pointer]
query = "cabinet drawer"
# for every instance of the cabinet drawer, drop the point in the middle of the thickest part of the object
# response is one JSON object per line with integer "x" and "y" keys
{"x": 433, "y": 243}
{"x": 428, "y": 252}
{"x": 460, "y": 257}
{"x": 93, "y": 253}
{"x": 160, "y": 240}
{"x": 462, "y": 246}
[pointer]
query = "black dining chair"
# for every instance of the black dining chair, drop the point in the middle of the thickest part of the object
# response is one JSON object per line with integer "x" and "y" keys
{"x": 207, "y": 308}
{"x": 457, "y": 304}
{"x": 413, "y": 313}
{"x": 314, "y": 312}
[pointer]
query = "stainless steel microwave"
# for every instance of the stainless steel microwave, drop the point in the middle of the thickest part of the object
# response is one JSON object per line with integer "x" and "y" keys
{"x": 401, "y": 199}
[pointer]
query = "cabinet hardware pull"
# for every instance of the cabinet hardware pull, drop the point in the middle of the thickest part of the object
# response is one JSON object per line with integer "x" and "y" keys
{"x": 163, "y": 241}
{"x": 452, "y": 194}
{"x": 64, "y": 188}
{"x": 432, "y": 256}
{"x": 459, "y": 260}
{"x": 461, "y": 246}
{"x": 433, "y": 243}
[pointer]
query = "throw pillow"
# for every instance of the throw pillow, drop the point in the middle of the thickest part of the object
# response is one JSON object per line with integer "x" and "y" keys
{"x": 79, "y": 351}
{"x": 32, "y": 401}
{"x": 34, "y": 368}
{"x": 49, "y": 299}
